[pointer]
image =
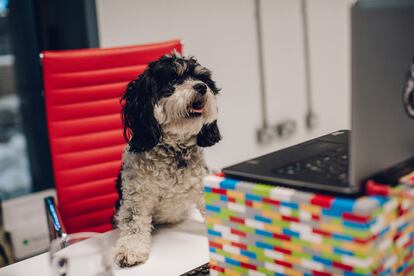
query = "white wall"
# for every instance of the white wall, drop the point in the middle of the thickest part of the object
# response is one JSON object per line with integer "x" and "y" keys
{"x": 222, "y": 35}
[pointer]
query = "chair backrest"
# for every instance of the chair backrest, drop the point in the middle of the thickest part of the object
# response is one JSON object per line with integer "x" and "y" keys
{"x": 82, "y": 92}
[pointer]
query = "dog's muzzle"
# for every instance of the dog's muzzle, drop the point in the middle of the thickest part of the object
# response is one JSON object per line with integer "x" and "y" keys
{"x": 197, "y": 106}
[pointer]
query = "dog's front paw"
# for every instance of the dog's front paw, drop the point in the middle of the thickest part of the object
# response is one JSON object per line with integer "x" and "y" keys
{"x": 131, "y": 250}
{"x": 125, "y": 257}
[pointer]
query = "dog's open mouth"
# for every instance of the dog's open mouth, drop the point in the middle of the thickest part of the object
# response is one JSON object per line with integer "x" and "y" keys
{"x": 196, "y": 109}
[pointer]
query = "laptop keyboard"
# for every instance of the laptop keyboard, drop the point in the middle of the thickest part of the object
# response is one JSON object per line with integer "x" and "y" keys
{"x": 328, "y": 167}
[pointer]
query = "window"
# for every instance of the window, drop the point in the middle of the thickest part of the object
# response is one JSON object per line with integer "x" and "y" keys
{"x": 15, "y": 176}
{"x": 26, "y": 28}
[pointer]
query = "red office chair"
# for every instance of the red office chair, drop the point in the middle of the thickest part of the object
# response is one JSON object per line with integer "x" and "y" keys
{"x": 82, "y": 92}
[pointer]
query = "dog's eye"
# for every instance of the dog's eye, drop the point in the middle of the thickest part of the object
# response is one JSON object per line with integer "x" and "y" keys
{"x": 168, "y": 94}
{"x": 167, "y": 90}
{"x": 172, "y": 82}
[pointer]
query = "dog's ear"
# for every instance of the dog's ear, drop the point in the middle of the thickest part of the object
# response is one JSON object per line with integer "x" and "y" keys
{"x": 141, "y": 129}
{"x": 209, "y": 135}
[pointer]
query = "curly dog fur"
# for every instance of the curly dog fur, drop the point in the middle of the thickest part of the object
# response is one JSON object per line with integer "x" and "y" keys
{"x": 169, "y": 114}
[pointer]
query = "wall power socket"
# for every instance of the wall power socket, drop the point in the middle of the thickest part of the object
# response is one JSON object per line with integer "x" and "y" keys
{"x": 282, "y": 130}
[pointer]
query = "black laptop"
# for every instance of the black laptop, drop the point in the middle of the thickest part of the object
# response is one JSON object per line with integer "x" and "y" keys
{"x": 382, "y": 126}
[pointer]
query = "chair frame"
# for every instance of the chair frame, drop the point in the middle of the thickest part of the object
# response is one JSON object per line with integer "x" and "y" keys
{"x": 54, "y": 220}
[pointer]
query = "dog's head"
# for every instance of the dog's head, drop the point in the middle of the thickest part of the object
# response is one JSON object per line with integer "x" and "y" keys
{"x": 174, "y": 96}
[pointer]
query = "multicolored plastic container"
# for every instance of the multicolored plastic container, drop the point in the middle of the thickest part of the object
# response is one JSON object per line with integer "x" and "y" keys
{"x": 257, "y": 229}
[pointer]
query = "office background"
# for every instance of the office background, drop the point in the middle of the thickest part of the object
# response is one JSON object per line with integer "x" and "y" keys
{"x": 221, "y": 34}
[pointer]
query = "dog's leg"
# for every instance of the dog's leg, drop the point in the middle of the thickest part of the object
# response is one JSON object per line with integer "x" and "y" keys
{"x": 200, "y": 204}
{"x": 135, "y": 223}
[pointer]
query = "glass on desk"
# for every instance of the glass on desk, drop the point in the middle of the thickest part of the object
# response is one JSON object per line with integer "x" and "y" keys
{"x": 85, "y": 254}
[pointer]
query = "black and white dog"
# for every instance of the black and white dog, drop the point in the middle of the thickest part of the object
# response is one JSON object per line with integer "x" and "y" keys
{"x": 169, "y": 114}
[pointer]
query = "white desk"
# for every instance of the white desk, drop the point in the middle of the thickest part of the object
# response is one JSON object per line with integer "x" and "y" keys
{"x": 175, "y": 249}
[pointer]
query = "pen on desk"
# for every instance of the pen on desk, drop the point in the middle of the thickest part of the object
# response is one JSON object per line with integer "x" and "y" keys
{"x": 373, "y": 188}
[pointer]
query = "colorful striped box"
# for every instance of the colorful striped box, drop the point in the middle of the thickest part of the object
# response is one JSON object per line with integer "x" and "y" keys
{"x": 256, "y": 229}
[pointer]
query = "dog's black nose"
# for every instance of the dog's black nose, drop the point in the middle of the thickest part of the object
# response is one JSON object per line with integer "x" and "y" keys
{"x": 200, "y": 88}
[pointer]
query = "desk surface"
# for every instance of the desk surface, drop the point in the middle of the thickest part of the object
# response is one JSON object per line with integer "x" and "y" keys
{"x": 175, "y": 249}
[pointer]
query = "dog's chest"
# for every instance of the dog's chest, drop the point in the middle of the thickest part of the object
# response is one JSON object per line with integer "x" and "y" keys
{"x": 182, "y": 171}
{"x": 170, "y": 173}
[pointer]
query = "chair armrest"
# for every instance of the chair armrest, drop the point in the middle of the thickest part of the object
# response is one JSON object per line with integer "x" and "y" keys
{"x": 54, "y": 220}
